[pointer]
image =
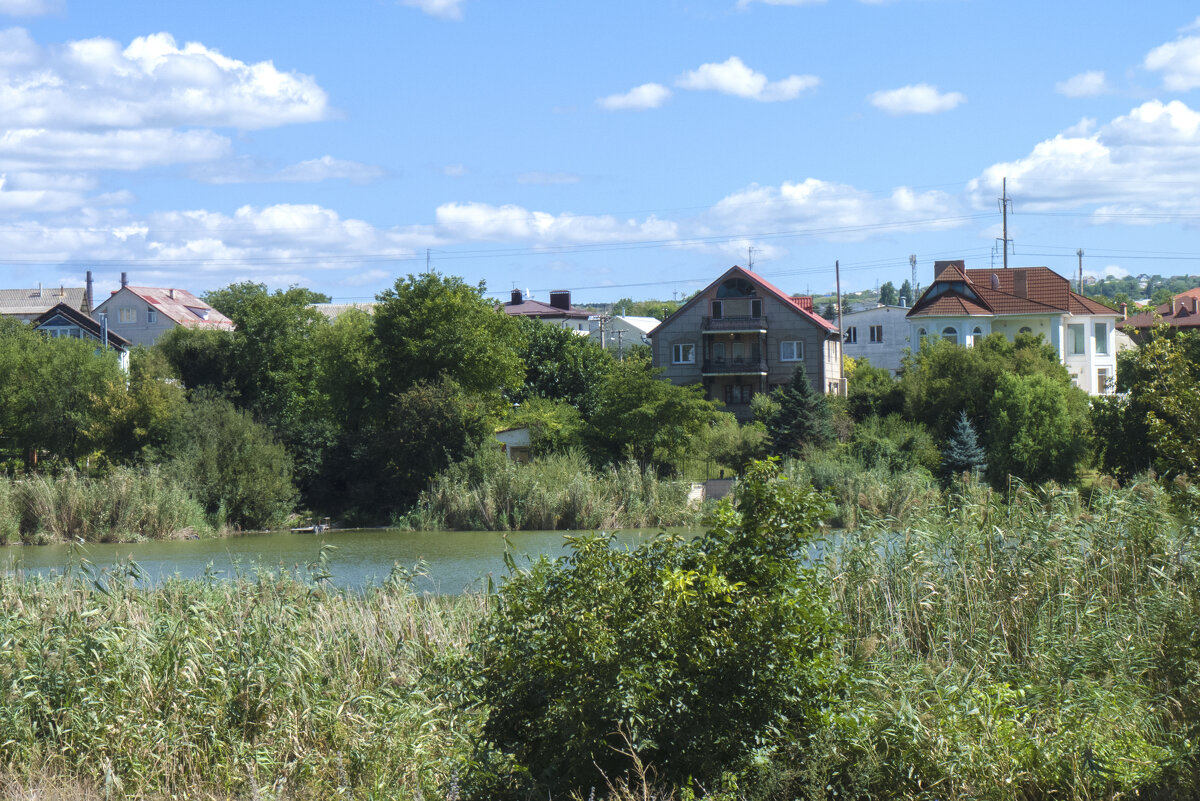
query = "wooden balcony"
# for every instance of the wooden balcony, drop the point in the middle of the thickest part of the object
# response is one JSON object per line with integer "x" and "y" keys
{"x": 734, "y": 325}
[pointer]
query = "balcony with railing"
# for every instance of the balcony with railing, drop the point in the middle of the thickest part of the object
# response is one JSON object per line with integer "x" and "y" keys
{"x": 734, "y": 325}
{"x": 734, "y": 367}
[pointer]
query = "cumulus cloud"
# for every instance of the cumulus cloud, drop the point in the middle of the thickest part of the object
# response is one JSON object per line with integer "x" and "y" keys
{"x": 28, "y": 8}
{"x": 648, "y": 95}
{"x": 325, "y": 168}
{"x": 1085, "y": 84}
{"x": 445, "y": 9}
{"x": 920, "y": 98}
{"x": 1143, "y": 162}
{"x": 41, "y": 149}
{"x": 547, "y": 178}
{"x": 482, "y": 221}
{"x": 733, "y": 77}
{"x": 1178, "y": 61}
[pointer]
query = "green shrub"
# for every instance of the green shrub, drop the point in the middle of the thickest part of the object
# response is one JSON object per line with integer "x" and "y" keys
{"x": 687, "y": 656}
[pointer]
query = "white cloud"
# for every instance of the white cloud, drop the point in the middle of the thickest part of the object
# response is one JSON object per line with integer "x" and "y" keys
{"x": 1143, "y": 162}
{"x": 29, "y": 8}
{"x": 482, "y": 221}
{"x": 547, "y": 178}
{"x": 733, "y": 77}
{"x": 1179, "y": 62}
{"x": 1108, "y": 271}
{"x": 151, "y": 83}
{"x": 41, "y": 149}
{"x": 1084, "y": 127}
{"x": 918, "y": 98}
{"x": 446, "y": 9}
{"x": 1085, "y": 84}
{"x": 454, "y": 170}
{"x": 648, "y": 95}
{"x": 325, "y": 168}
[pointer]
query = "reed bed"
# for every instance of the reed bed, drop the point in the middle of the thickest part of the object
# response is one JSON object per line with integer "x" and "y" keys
{"x": 122, "y": 505}
{"x": 265, "y": 686}
{"x": 1039, "y": 646}
{"x": 562, "y": 491}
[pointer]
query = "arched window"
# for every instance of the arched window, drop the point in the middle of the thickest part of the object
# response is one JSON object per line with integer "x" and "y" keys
{"x": 950, "y": 333}
{"x": 921, "y": 333}
{"x": 737, "y": 288}
{"x": 1025, "y": 330}
{"x": 978, "y": 331}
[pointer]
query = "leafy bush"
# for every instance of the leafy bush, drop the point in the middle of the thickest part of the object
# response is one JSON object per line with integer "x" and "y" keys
{"x": 688, "y": 656}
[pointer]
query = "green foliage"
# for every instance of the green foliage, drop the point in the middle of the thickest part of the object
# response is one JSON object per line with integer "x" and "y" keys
{"x": 645, "y": 418}
{"x": 429, "y": 326}
{"x": 894, "y": 444}
{"x": 489, "y": 492}
{"x": 233, "y": 466}
{"x": 554, "y": 426}
{"x": 728, "y": 443}
{"x": 803, "y": 418}
{"x": 872, "y": 391}
{"x": 888, "y": 295}
{"x": 578, "y": 683}
{"x": 560, "y": 365}
{"x": 963, "y": 452}
{"x": 1037, "y": 427}
{"x": 155, "y": 401}
{"x": 906, "y": 292}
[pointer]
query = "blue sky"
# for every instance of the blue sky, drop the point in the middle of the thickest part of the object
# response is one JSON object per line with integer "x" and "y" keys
{"x": 615, "y": 149}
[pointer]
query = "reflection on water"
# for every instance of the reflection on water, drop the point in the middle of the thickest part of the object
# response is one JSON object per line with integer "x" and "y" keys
{"x": 452, "y": 561}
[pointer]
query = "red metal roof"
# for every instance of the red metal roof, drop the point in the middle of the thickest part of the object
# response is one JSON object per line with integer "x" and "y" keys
{"x": 802, "y": 304}
{"x": 183, "y": 307}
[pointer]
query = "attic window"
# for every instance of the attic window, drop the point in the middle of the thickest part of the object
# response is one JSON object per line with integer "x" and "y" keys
{"x": 737, "y": 288}
{"x": 201, "y": 313}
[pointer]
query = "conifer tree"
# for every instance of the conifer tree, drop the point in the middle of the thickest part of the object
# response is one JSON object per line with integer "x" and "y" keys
{"x": 803, "y": 417}
{"x": 963, "y": 452}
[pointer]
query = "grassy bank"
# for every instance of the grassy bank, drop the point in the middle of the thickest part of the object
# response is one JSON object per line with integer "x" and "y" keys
{"x": 265, "y": 686}
{"x": 123, "y": 505}
{"x": 489, "y": 492}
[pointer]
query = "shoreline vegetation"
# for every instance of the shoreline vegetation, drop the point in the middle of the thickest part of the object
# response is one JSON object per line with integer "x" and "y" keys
{"x": 1040, "y": 643}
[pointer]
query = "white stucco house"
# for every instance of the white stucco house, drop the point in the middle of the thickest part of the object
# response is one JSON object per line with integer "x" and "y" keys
{"x": 881, "y": 335}
{"x": 964, "y": 305}
{"x": 619, "y": 331}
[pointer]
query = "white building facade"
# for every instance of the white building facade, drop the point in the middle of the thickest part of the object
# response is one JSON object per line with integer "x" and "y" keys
{"x": 881, "y": 335}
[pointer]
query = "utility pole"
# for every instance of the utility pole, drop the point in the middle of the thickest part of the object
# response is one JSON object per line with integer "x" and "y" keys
{"x": 837, "y": 277}
{"x": 750, "y": 258}
{"x": 620, "y": 346}
{"x": 1079, "y": 253}
{"x": 1005, "y": 202}
{"x": 426, "y": 259}
{"x": 912, "y": 262}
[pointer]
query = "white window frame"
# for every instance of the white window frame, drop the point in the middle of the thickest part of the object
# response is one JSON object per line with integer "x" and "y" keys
{"x": 797, "y": 349}
{"x": 877, "y": 334}
{"x": 852, "y": 335}
{"x": 127, "y": 314}
{"x": 1102, "y": 380}
{"x": 1100, "y": 332}
{"x": 950, "y": 332}
{"x": 683, "y": 353}
{"x": 151, "y": 316}
{"x": 1076, "y": 345}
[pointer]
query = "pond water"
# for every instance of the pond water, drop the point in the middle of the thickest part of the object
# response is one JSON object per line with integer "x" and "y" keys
{"x": 451, "y": 561}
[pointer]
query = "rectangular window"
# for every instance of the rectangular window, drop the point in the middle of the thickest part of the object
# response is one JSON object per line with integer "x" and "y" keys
{"x": 851, "y": 335}
{"x": 718, "y": 309}
{"x": 718, "y": 352}
{"x": 792, "y": 351}
{"x": 1075, "y": 335}
{"x": 756, "y": 308}
{"x": 151, "y": 316}
{"x": 1102, "y": 381}
{"x": 1101, "y": 338}
{"x": 739, "y": 352}
{"x": 877, "y": 333}
{"x": 683, "y": 354}
{"x": 738, "y": 393}
{"x": 128, "y": 315}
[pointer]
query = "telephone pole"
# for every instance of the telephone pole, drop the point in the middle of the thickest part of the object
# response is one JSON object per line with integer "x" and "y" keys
{"x": 912, "y": 262}
{"x": 1005, "y": 203}
{"x": 1079, "y": 253}
{"x": 837, "y": 277}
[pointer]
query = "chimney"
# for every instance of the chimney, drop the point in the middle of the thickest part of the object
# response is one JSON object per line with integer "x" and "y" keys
{"x": 1195, "y": 304}
{"x": 87, "y": 294}
{"x": 1124, "y": 311}
{"x": 903, "y": 302}
{"x": 516, "y": 297}
{"x": 560, "y": 299}
{"x": 62, "y": 290}
{"x": 171, "y": 294}
{"x": 1020, "y": 283}
{"x": 124, "y": 280}
{"x": 39, "y": 294}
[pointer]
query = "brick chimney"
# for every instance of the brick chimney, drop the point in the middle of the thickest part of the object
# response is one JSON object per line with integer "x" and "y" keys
{"x": 561, "y": 299}
{"x": 87, "y": 295}
{"x": 517, "y": 298}
{"x": 1124, "y": 311}
{"x": 1021, "y": 284}
{"x": 124, "y": 280}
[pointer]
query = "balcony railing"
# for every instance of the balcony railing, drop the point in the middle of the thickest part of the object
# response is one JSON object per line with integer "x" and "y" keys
{"x": 734, "y": 366}
{"x": 735, "y": 323}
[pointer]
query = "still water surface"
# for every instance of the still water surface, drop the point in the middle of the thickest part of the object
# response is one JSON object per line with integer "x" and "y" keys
{"x": 452, "y": 561}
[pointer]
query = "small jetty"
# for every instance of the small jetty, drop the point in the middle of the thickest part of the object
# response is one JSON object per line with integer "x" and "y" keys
{"x": 317, "y": 527}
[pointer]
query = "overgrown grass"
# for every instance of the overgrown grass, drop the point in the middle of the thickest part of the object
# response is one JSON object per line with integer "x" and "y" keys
{"x": 1043, "y": 647}
{"x": 863, "y": 493}
{"x": 265, "y": 686}
{"x": 122, "y": 505}
{"x": 489, "y": 492}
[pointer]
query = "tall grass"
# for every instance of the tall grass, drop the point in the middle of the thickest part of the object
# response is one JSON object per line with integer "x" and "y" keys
{"x": 862, "y": 494}
{"x": 1043, "y": 647}
{"x": 266, "y": 686}
{"x": 489, "y": 492}
{"x": 122, "y": 505}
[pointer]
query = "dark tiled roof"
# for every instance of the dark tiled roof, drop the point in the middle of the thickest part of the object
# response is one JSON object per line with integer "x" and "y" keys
{"x": 1177, "y": 314}
{"x": 951, "y": 304}
{"x": 535, "y": 308}
{"x": 1001, "y": 292}
{"x": 76, "y": 317}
